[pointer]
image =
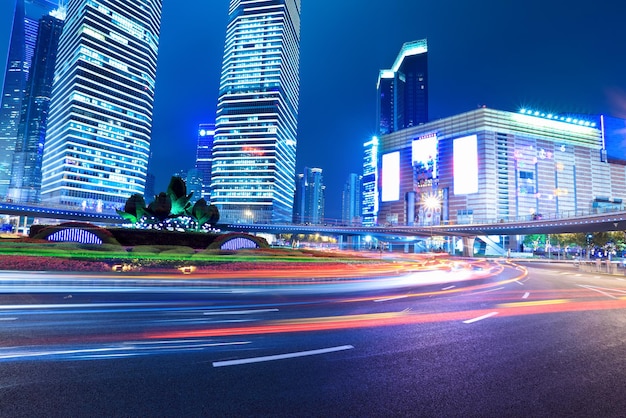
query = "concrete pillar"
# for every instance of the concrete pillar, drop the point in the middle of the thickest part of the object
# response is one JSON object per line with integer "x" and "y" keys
{"x": 468, "y": 246}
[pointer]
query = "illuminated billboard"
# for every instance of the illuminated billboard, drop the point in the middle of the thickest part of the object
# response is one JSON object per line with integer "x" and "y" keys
{"x": 465, "y": 165}
{"x": 424, "y": 157}
{"x": 615, "y": 139}
{"x": 391, "y": 177}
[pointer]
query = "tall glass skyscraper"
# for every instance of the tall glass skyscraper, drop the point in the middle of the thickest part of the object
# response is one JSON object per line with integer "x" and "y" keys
{"x": 25, "y": 180}
{"x": 351, "y": 200}
{"x": 99, "y": 129}
{"x": 369, "y": 182}
{"x": 204, "y": 157}
{"x": 309, "y": 197}
{"x": 254, "y": 150}
{"x": 403, "y": 89}
{"x": 21, "y": 51}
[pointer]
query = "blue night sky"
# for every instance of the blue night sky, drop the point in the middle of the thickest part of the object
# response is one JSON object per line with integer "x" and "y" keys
{"x": 561, "y": 56}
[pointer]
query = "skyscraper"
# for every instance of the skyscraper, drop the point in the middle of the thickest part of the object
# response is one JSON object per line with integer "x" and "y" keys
{"x": 351, "y": 200}
{"x": 21, "y": 50}
{"x": 254, "y": 151}
{"x": 98, "y": 137}
{"x": 370, "y": 182}
{"x": 403, "y": 90}
{"x": 25, "y": 180}
{"x": 204, "y": 157}
{"x": 309, "y": 197}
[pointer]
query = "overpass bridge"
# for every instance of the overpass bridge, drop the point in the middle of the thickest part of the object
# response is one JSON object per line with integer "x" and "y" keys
{"x": 564, "y": 223}
{"x": 570, "y": 222}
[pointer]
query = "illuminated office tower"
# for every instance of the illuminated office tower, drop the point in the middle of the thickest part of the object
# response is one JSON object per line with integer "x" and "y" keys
{"x": 351, "y": 200}
{"x": 25, "y": 180}
{"x": 403, "y": 90}
{"x": 370, "y": 182}
{"x": 98, "y": 137}
{"x": 309, "y": 197}
{"x": 254, "y": 151}
{"x": 204, "y": 157}
{"x": 21, "y": 50}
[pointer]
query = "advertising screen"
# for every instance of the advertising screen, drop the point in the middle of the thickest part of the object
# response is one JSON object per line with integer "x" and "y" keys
{"x": 424, "y": 157}
{"x": 465, "y": 165}
{"x": 615, "y": 139}
{"x": 391, "y": 177}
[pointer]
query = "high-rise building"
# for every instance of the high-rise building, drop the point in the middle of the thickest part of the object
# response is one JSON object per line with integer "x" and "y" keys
{"x": 254, "y": 150}
{"x": 204, "y": 157}
{"x": 25, "y": 182}
{"x": 99, "y": 129}
{"x": 489, "y": 165}
{"x": 369, "y": 208}
{"x": 351, "y": 200}
{"x": 309, "y": 197}
{"x": 21, "y": 50}
{"x": 403, "y": 89}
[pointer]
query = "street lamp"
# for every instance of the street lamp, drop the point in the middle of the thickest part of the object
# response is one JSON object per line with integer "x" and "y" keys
{"x": 432, "y": 202}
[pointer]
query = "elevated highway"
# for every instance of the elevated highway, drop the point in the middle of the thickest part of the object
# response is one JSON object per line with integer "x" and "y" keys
{"x": 555, "y": 224}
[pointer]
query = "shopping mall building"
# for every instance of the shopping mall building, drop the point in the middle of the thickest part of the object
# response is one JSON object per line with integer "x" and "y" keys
{"x": 489, "y": 165}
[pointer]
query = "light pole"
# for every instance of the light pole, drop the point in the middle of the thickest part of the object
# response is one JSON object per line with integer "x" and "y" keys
{"x": 432, "y": 202}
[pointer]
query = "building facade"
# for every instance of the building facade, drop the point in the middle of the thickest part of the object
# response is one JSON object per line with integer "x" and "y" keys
{"x": 351, "y": 200}
{"x": 254, "y": 149}
{"x": 369, "y": 183}
{"x": 489, "y": 165}
{"x": 204, "y": 157}
{"x": 25, "y": 183}
{"x": 100, "y": 123}
{"x": 403, "y": 90}
{"x": 309, "y": 197}
{"x": 21, "y": 50}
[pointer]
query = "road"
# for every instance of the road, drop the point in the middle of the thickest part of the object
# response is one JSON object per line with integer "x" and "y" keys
{"x": 488, "y": 340}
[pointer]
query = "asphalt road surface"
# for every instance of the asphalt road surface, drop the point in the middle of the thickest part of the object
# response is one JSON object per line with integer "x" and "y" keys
{"x": 481, "y": 340}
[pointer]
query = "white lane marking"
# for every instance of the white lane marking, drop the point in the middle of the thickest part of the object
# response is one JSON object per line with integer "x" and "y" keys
{"x": 621, "y": 279}
{"x": 487, "y": 291}
{"x": 449, "y": 287}
{"x": 390, "y": 298}
{"x": 8, "y": 319}
{"x": 519, "y": 283}
{"x": 245, "y": 312}
{"x": 526, "y": 295}
{"x": 280, "y": 356}
{"x": 480, "y": 318}
{"x": 599, "y": 290}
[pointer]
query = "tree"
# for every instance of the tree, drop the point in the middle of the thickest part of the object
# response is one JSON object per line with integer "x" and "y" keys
{"x": 177, "y": 192}
{"x": 202, "y": 213}
{"x": 134, "y": 209}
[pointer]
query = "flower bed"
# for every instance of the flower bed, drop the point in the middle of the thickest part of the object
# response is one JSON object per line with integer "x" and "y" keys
{"x": 35, "y": 263}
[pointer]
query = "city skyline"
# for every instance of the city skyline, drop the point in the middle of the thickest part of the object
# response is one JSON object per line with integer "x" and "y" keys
{"x": 564, "y": 57}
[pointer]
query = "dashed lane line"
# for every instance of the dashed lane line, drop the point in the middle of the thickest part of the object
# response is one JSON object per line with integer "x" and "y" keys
{"x": 281, "y": 356}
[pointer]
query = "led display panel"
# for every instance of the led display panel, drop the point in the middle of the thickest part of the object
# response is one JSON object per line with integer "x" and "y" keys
{"x": 391, "y": 177}
{"x": 424, "y": 157}
{"x": 615, "y": 139}
{"x": 465, "y": 165}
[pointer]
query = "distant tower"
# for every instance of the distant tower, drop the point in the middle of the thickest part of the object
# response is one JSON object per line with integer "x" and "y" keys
{"x": 25, "y": 181}
{"x": 204, "y": 157}
{"x": 370, "y": 182}
{"x": 100, "y": 124}
{"x": 21, "y": 50}
{"x": 309, "y": 197}
{"x": 351, "y": 200}
{"x": 403, "y": 90}
{"x": 254, "y": 152}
